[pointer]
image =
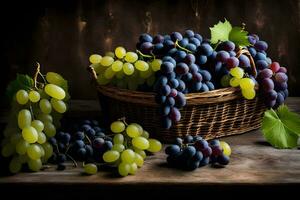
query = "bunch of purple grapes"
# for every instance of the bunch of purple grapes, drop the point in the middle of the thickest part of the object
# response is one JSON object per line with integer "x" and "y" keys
{"x": 87, "y": 142}
{"x": 194, "y": 152}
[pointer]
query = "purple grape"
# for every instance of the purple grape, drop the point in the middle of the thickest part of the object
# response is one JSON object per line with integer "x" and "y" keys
{"x": 265, "y": 73}
{"x": 195, "y": 41}
{"x": 167, "y": 67}
{"x": 166, "y": 122}
{"x": 191, "y": 47}
{"x": 223, "y": 159}
{"x": 170, "y": 101}
{"x": 175, "y": 114}
{"x": 146, "y": 47}
{"x": 176, "y": 36}
{"x": 232, "y": 62}
{"x": 181, "y": 68}
{"x": 204, "y": 88}
{"x": 205, "y": 75}
{"x": 216, "y": 150}
{"x": 158, "y": 39}
{"x": 210, "y": 85}
{"x": 201, "y": 144}
{"x": 181, "y": 86}
{"x": 280, "y": 99}
{"x": 199, "y": 37}
{"x": 188, "y": 152}
{"x": 252, "y": 51}
{"x": 197, "y": 86}
{"x": 180, "y": 100}
{"x": 189, "y": 33}
{"x": 98, "y": 143}
{"x": 267, "y": 84}
{"x": 261, "y": 64}
{"x": 244, "y": 61}
{"x": 172, "y": 150}
{"x": 197, "y": 77}
{"x": 173, "y": 83}
{"x": 271, "y": 95}
{"x": 205, "y": 49}
{"x": 206, "y": 151}
{"x": 169, "y": 44}
{"x": 179, "y": 56}
{"x": 173, "y": 92}
{"x": 145, "y": 38}
{"x": 255, "y": 36}
{"x": 261, "y": 45}
{"x": 280, "y": 86}
{"x": 165, "y": 90}
{"x": 281, "y": 77}
{"x": 202, "y": 59}
{"x": 189, "y": 59}
{"x": 165, "y": 110}
{"x": 228, "y": 46}
{"x": 193, "y": 68}
{"x": 187, "y": 77}
{"x": 251, "y": 39}
{"x": 282, "y": 69}
{"x": 217, "y": 67}
{"x": 270, "y": 104}
{"x": 260, "y": 56}
{"x": 222, "y": 56}
{"x": 232, "y": 53}
{"x": 183, "y": 42}
{"x": 158, "y": 49}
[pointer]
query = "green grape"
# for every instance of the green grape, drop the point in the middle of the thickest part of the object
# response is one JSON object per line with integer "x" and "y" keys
{"x": 45, "y": 106}
{"x": 120, "y": 52}
{"x": 128, "y": 68}
{"x": 237, "y": 72}
{"x": 151, "y": 80}
{"x": 49, "y": 129}
{"x": 42, "y": 150}
{"x": 34, "y": 165}
{"x": 102, "y": 80}
{"x": 110, "y": 54}
{"x": 145, "y": 134}
{"x": 140, "y": 143}
{"x": 118, "y": 139}
{"x": 30, "y": 134}
{"x": 15, "y": 138}
{"x": 99, "y": 69}
{"x": 154, "y": 146}
{"x": 95, "y": 58}
{"x": 21, "y": 147}
{"x": 146, "y": 74}
{"x": 58, "y": 105}
{"x": 34, "y": 152}
{"x": 8, "y": 150}
{"x": 234, "y": 82}
{"x": 109, "y": 73}
{"x": 140, "y": 152}
{"x": 131, "y": 57}
{"x": 226, "y": 148}
{"x": 141, "y": 65}
{"x": 247, "y": 83}
{"x": 128, "y": 156}
{"x": 34, "y": 96}
{"x": 111, "y": 156}
{"x": 134, "y": 130}
{"x": 139, "y": 160}
{"x": 124, "y": 168}
{"x": 118, "y": 147}
{"x": 48, "y": 149}
{"x": 120, "y": 74}
{"x": 90, "y": 168}
{"x": 106, "y": 61}
{"x": 22, "y": 97}
{"x": 24, "y": 118}
{"x": 15, "y": 165}
{"x": 38, "y": 125}
{"x": 45, "y": 117}
{"x": 248, "y": 94}
{"x": 41, "y": 138}
{"x": 55, "y": 78}
{"x": 117, "y": 66}
{"x": 133, "y": 168}
{"x": 155, "y": 64}
{"x": 55, "y": 91}
{"x": 225, "y": 80}
{"x": 117, "y": 127}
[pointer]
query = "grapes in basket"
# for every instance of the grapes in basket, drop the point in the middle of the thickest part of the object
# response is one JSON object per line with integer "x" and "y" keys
{"x": 37, "y": 108}
{"x": 174, "y": 65}
{"x": 193, "y": 152}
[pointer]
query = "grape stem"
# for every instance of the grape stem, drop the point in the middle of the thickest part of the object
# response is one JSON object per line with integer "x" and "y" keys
{"x": 87, "y": 137}
{"x": 31, "y": 111}
{"x": 144, "y": 55}
{"x": 38, "y": 72}
{"x": 182, "y": 48}
{"x": 74, "y": 162}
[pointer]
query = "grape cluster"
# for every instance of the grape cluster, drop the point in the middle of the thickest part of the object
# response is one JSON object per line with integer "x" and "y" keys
{"x": 130, "y": 142}
{"x": 39, "y": 110}
{"x": 126, "y": 70}
{"x": 193, "y": 152}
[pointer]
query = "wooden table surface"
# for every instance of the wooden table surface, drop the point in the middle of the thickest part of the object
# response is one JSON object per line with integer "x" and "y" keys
{"x": 254, "y": 163}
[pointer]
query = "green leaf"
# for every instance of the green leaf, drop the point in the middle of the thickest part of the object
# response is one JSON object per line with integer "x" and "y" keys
{"x": 21, "y": 82}
{"x": 281, "y": 129}
{"x": 220, "y": 32}
{"x": 239, "y": 36}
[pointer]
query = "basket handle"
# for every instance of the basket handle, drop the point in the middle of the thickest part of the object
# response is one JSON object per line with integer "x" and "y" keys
{"x": 93, "y": 73}
{"x": 252, "y": 63}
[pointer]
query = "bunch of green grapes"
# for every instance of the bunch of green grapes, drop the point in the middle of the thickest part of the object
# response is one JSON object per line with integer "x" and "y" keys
{"x": 124, "y": 69}
{"x": 129, "y": 145}
{"x": 246, "y": 84}
{"x": 35, "y": 116}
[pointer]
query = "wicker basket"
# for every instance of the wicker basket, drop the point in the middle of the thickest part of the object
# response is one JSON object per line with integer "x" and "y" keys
{"x": 210, "y": 114}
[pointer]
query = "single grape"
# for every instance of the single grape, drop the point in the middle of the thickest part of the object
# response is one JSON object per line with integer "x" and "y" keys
{"x": 141, "y": 65}
{"x": 109, "y": 73}
{"x": 111, "y": 156}
{"x": 34, "y": 165}
{"x": 133, "y": 168}
{"x": 237, "y": 72}
{"x": 120, "y": 52}
{"x": 41, "y": 138}
{"x": 118, "y": 147}
{"x": 117, "y": 127}
{"x": 34, "y": 152}
{"x": 155, "y": 64}
{"x": 222, "y": 56}
{"x": 225, "y": 80}
{"x": 34, "y": 96}
{"x": 232, "y": 62}
{"x": 249, "y": 94}
{"x": 90, "y": 168}
{"x": 95, "y": 58}
{"x": 22, "y": 97}
{"x": 133, "y": 131}
{"x": 244, "y": 61}
{"x": 55, "y": 91}
{"x": 106, "y": 61}
{"x": 128, "y": 68}
{"x": 7, "y": 150}
{"x": 154, "y": 145}
{"x": 49, "y": 129}
{"x": 234, "y": 82}
{"x": 261, "y": 45}
{"x": 45, "y": 106}
{"x": 118, "y": 139}
{"x": 128, "y": 156}
{"x": 247, "y": 83}
{"x": 24, "y": 118}
{"x": 117, "y": 66}
{"x": 48, "y": 150}
{"x": 281, "y": 77}
{"x": 15, "y": 165}
{"x": 145, "y": 134}
{"x": 139, "y": 160}
{"x": 131, "y": 57}
{"x": 21, "y": 147}
{"x": 124, "y": 168}
{"x": 38, "y": 125}
{"x": 30, "y": 134}
{"x": 226, "y": 148}
{"x": 267, "y": 84}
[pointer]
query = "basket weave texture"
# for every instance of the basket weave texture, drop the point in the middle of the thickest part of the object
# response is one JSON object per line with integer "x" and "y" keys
{"x": 212, "y": 114}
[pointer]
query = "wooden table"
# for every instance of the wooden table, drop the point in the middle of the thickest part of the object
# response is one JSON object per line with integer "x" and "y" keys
{"x": 255, "y": 166}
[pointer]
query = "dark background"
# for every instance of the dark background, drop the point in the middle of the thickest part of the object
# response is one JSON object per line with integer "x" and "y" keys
{"x": 62, "y": 34}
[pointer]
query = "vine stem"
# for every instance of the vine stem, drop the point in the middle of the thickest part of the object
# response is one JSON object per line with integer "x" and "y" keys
{"x": 144, "y": 55}
{"x": 182, "y": 48}
{"x": 37, "y": 72}
{"x": 74, "y": 162}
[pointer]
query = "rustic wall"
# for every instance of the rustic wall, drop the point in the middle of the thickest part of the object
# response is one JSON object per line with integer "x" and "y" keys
{"x": 61, "y": 34}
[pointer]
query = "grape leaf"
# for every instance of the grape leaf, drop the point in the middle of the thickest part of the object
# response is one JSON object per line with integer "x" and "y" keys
{"x": 239, "y": 36}
{"x": 220, "y": 32}
{"x": 282, "y": 128}
{"x": 21, "y": 82}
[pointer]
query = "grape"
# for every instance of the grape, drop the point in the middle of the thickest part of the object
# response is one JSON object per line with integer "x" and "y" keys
{"x": 261, "y": 45}
{"x": 133, "y": 168}
{"x": 226, "y": 148}
{"x": 102, "y": 80}
{"x": 34, "y": 96}
{"x": 24, "y": 118}
{"x": 165, "y": 90}
{"x": 261, "y": 64}
{"x": 228, "y": 46}
{"x": 154, "y": 146}
{"x": 139, "y": 160}
{"x": 58, "y": 105}
{"x": 172, "y": 150}
{"x": 15, "y": 165}
{"x": 280, "y": 99}
{"x": 145, "y": 134}
{"x": 249, "y": 94}
{"x": 205, "y": 49}
{"x": 124, "y": 169}
{"x": 131, "y": 57}
{"x": 267, "y": 84}
{"x": 118, "y": 139}
{"x": 251, "y": 39}
{"x": 109, "y": 73}
{"x": 282, "y": 69}
{"x": 175, "y": 114}
{"x": 48, "y": 150}
{"x": 21, "y": 147}
{"x": 128, "y": 156}
{"x": 45, "y": 118}
{"x": 55, "y": 91}
{"x": 146, "y": 47}
{"x": 120, "y": 52}
{"x": 7, "y": 150}
{"x": 111, "y": 156}
{"x": 140, "y": 143}
{"x": 225, "y": 80}
{"x": 41, "y": 138}
{"x": 189, "y": 59}
{"x": 247, "y": 83}
{"x": 118, "y": 147}
{"x": 167, "y": 67}
{"x": 35, "y": 165}
{"x": 237, "y": 72}
{"x": 117, "y": 127}
{"x": 140, "y": 128}
{"x": 30, "y": 134}
{"x": 244, "y": 61}
{"x": 271, "y": 95}
{"x": 117, "y": 66}
{"x": 223, "y": 159}
{"x": 145, "y": 38}
{"x": 252, "y": 51}
{"x": 176, "y": 36}
{"x": 180, "y": 100}
{"x": 265, "y": 73}
{"x": 260, "y": 56}
{"x": 155, "y": 65}
{"x": 205, "y": 75}
{"x": 201, "y": 59}
{"x": 132, "y": 131}
{"x": 34, "y": 152}
{"x": 128, "y": 68}
{"x": 201, "y": 144}
{"x": 45, "y": 106}
{"x": 234, "y": 82}
{"x": 232, "y": 62}
{"x": 281, "y": 77}
{"x": 181, "y": 68}
{"x": 106, "y": 61}
{"x": 22, "y": 97}
{"x": 191, "y": 47}
{"x": 49, "y": 129}
{"x": 90, "y": 168}
{"x": 189, "y": 152}
{"x": 94, "y": 58}
{"x": 222, "y": 56}
{"x": 141, "y": 65}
